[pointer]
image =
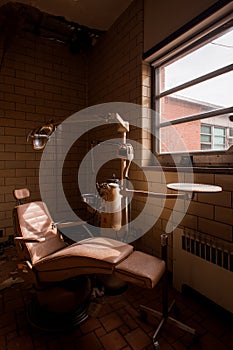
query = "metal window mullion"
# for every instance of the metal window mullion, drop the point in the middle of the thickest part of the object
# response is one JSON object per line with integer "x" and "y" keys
{"x": 195, "y": 81}
{"x": 157, "y": 108}
{"x": 194, "y": 117}
{"x": 227, "y": 137}
{"x": 212, "y": 136}
{"x": 152, "y": 102}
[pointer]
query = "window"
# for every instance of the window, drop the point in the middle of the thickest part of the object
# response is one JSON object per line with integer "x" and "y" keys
{"x": 192, "y": 89}
{"x": 230, "y": 137}
{"x": 219, "y": 136}
{"x": 213, "y": 137}
{"x": 206, "y": 137}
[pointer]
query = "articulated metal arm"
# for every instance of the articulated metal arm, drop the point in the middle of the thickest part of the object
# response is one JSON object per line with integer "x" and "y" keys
{"x": 151, "y": 194}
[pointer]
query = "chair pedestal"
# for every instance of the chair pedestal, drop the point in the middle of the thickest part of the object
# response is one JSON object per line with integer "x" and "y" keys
{"x": 60, "y": 307}
{"x": 166, "y": 309}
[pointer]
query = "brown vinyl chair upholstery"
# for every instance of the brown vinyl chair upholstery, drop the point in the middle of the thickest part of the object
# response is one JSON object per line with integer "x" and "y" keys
{"x": 52, "y": 260}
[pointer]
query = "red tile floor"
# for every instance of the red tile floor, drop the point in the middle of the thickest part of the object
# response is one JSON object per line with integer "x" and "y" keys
{"x": 117, "y": 324}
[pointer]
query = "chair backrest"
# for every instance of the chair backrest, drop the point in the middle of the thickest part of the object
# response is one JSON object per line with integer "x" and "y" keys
{"x": 33, "y": 220}
{"x": 21, "y": 194}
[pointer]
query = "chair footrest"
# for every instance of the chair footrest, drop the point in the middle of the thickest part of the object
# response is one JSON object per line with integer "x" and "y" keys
{"x": 140, "y": 268}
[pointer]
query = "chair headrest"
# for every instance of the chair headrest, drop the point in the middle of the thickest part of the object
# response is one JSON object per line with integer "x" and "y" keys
{"x": 21, "y": 193}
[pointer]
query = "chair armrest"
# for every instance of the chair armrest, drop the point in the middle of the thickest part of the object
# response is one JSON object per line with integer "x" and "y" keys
{"x": 60, "y": 225}
{"x": 29, "y": 265}
{"x": 68, "y": 224}
{"x": 29, "y": 239}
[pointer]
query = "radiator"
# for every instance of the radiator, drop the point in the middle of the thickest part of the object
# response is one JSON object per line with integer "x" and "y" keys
{"x": 205, "y": 264}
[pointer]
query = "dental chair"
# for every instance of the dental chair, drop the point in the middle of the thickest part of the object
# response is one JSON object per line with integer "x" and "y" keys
{"x": 63, "y": 273}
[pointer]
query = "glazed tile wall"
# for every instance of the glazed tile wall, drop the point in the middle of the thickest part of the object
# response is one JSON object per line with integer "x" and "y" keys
{"x": 40, "y": 80}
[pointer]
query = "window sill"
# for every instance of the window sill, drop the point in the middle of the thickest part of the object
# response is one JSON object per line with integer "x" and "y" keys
{"x": 194, "y": 169}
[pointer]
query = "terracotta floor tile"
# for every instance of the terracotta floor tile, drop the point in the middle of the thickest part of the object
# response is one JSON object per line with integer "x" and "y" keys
{"x": 111, "y": 321}
{"x": 164, "y": 344}
{"x": 90, "y": 325}
{"x": 138, "y": 339}
{"x": 179, "y": 346}
{"x": 124, "y": 329}
{"x": 113, "y": 341}
{"x": 128, "y": 319}
{"x": 100, "y": 332}
{"x": 88, "y": 341}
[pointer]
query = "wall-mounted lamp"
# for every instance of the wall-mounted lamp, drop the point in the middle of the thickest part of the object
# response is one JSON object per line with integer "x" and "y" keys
{"x": 41, "y": 135}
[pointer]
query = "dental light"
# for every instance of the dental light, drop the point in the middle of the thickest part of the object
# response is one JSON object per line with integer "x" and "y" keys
{"x": 41, "y": 135}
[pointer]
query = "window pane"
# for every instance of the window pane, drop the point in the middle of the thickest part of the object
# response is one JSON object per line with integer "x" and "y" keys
{"x": 219, "y": 131}
{"x": 186, "y": 68}
{"x": 219, "y": 140}
{"x": 173, "y": 107}
{"x": 180, "y": 137}
{"x": 217, "y": 147}
{"x": 231, "y": 132}
{"x": 205, "y": 147}
{"x": 205, "y": 138}
{"x": 189, "y": 136}
{"x": 205, "y": 129}
{"x": 212, "y": 94}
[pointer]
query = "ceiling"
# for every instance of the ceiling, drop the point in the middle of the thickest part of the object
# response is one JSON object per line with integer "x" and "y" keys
{"x": 98, "y": 14}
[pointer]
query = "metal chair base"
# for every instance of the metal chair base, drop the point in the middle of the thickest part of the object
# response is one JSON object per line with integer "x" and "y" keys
{"x": 164, "y": 319}
{"x": 42, "y": 319}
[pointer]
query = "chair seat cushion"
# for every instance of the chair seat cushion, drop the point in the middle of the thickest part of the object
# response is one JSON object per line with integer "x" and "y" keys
{"x": 93, "y": 253}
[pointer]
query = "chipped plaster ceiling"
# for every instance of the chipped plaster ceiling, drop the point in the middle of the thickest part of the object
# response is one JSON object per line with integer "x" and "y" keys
{"x": 98, "y": 14}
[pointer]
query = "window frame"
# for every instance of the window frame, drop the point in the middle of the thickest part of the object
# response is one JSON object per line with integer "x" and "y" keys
{"x": 191, "y": 35}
